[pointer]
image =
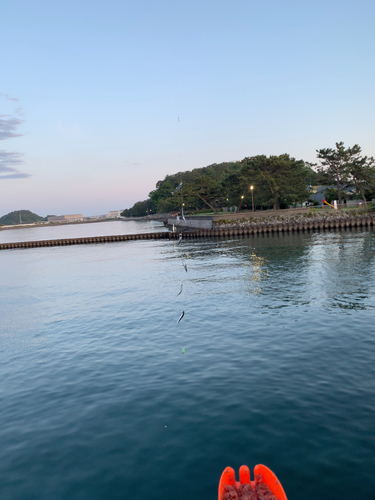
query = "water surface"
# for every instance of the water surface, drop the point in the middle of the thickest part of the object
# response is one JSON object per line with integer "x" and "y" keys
{"x": 98, "y": 402}
{"x": 79, "y": 230}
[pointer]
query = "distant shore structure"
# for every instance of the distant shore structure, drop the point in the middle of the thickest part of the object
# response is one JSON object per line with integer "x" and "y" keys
{"x": 114, "y": 214}
{"x": 65, "y": 218}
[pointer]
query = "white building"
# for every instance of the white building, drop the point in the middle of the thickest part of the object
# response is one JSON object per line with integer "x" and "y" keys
{"x": 114, "y": 214}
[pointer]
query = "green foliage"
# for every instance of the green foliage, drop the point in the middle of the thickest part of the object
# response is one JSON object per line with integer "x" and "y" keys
{"x": 163, "y": 195}
{"x": 361, "y": 173}
{"x": 278, "y": 181}
{"x": 20, "y": 217}
{"x": 333, "y": 164}
{"x": 206, "y": 189}
{"x": 312, "y": 177}
{"x": 331, "y": 194}
{"x": 314, "y": 202}
{"x": 346, "y": 167}
{"x": 201, "y": 188}
{"x": 139, "y": 209}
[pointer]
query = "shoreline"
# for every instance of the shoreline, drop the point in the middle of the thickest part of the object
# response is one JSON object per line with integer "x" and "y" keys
{"x": 231, "y": 232}
{"x": 52, "y": 224}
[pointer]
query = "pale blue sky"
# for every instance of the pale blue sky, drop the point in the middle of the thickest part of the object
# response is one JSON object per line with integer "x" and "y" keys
{"x": 101, "y": 85}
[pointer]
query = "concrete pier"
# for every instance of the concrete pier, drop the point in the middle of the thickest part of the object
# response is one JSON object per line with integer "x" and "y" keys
{"x": 259, "y": 230}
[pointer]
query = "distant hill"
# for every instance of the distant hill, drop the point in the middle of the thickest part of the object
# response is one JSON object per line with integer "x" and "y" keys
{"x": 20, "y": 217}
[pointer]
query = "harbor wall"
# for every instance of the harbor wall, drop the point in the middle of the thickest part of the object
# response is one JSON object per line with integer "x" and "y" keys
{"x": 192, "y": 223}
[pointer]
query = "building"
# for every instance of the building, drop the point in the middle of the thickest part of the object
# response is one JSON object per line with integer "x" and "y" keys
{"x": 318, "y": 193}
{"x": 114, "y": 214}
{"x": 65, "y": 218}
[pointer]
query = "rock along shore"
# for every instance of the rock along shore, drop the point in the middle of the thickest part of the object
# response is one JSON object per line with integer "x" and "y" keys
{"x": 292, "y": 219}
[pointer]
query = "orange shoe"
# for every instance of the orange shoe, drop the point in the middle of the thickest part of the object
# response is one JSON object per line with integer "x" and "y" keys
{"x": 265, "y": 486}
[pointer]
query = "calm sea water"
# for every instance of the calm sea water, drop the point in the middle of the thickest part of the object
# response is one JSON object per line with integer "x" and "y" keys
{"x": 62, "y": 231}
{"x": 97, "y": 400}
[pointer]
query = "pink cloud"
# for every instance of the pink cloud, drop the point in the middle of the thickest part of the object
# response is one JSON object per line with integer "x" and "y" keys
{"x": 7, "y": 96}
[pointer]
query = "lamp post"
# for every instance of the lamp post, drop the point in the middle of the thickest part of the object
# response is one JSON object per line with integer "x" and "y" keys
{"x": 252, "y": 197}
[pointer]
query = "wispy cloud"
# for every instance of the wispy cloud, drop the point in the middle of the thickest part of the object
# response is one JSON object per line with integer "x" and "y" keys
{"x": 7, "y": 158}
{"x": 130, "y": 164}
{"x": 15, "y": 176}
{"x": 8, "y": 126}
{"x": 9, "y": 161}
{"x": 7, "y": 96}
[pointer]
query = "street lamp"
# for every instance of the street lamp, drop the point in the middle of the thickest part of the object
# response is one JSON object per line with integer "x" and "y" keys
{"x": 252, "y": 197}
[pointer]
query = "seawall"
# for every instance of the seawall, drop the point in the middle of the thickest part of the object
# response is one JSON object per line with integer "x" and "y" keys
{"x": 261, "y": 229}
{"x": 191, "y": 222}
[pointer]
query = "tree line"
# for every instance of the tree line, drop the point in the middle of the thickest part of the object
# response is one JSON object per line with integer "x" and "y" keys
{"x": 278, "y": 182}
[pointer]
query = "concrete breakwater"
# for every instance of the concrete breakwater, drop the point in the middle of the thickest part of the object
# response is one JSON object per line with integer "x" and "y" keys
{"x": 261, "y": 229}
{"x": 88, "y": 241}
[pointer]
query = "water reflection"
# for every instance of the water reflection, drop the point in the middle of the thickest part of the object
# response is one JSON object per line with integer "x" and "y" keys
{"x": 342, "y": 266}
{"x": 258, "y": 272}
{"x": 329, "y": 270}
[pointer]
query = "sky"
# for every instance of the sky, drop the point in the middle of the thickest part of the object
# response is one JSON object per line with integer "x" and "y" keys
{"x": 100, "y": 100}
